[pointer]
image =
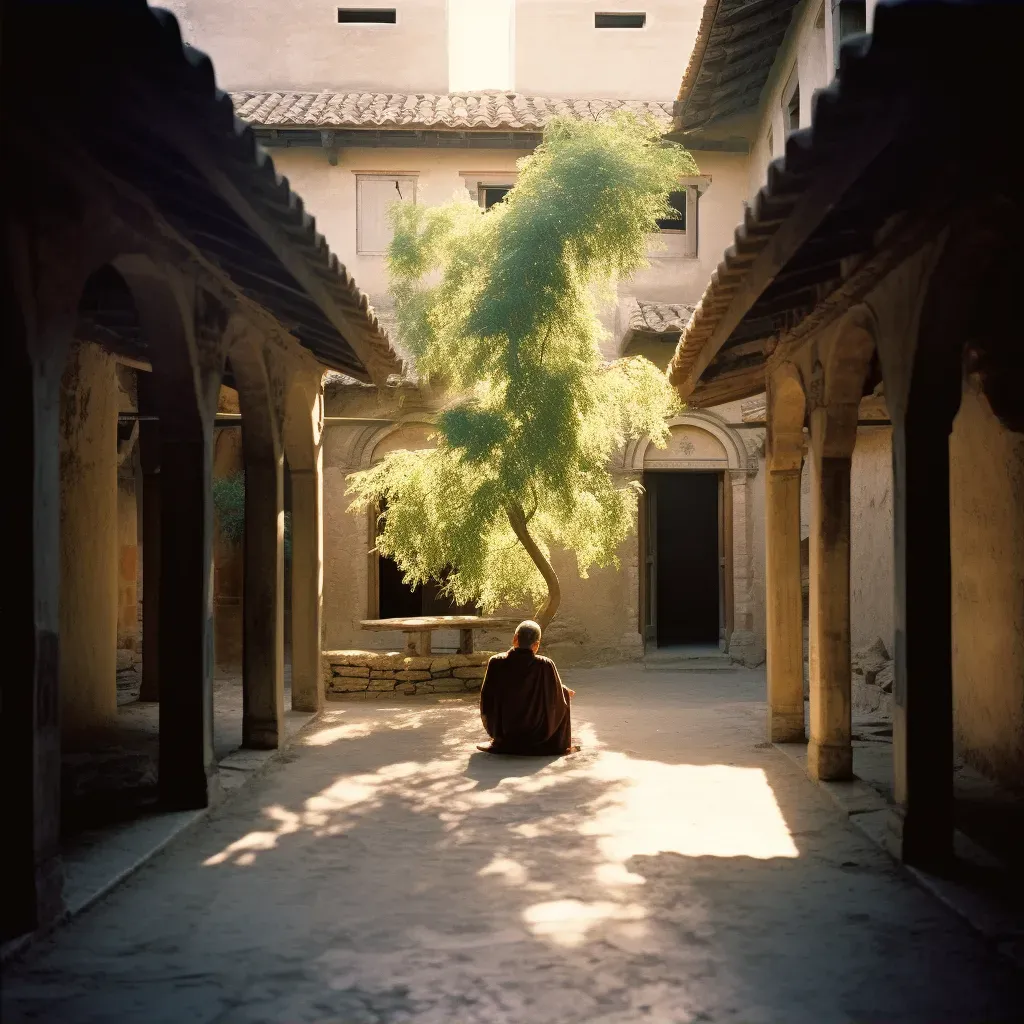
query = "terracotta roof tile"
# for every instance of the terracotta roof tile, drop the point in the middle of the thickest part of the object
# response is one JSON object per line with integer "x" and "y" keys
{"x": 484, "y": 111}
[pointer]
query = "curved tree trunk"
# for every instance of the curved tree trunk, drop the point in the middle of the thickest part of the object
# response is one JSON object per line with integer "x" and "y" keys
{"x": 546, "y": 613}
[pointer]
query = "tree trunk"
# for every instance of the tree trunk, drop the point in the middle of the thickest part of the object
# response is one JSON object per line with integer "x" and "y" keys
{"x": 546, "y": 613}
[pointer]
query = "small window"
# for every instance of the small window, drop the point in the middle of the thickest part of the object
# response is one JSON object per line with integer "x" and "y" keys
{"x": 793, "y": 111}
{"x": 492, "y": 194}
{"x": 367, "y": 15}
{"x": 771, "y": 144}
{"x": 374, "y": 195}
{"x": 677, "y": 201}
{"x": 632, "y": 19}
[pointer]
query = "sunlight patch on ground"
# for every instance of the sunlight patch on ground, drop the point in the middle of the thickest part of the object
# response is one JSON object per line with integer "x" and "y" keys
{"x": 695, "y": 810}
{"x": 643, "y": 808}
{"x": 566, "y": 922}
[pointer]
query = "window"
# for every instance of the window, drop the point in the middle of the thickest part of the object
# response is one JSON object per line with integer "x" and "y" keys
{"x": 677, "y": 235}
{"x": 367, "y": 16}
{"x": 849, "y": 17}
{"x": 491, "y": 194}
{"x": 770, "y": 142}
{"x": 793, "y": 111}
{"x": 374, "y": 195}
{"x": 677, "y": 200}
{"x": 633, "y": 19}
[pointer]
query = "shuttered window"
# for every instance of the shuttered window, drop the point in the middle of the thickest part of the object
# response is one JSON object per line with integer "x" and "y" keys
{"x": 374, "y": 195}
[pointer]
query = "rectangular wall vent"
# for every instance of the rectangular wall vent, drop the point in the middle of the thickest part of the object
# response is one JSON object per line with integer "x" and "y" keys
{"x": 367, "y": 15}
{"x": 631, "y": 19}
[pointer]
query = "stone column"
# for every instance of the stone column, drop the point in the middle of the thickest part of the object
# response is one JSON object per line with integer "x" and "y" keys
{"x": 149, "y": 458}
{"x": 186, "y": 620}
{"x": 783, "y": 605}
{"x": 830, "y": 752}
{"x": 88, "y": 548}
{"x": 30, "y": 744}
{"x": 307, "y": 586}
{"x": 923, "y": 676}
{"x": 263, "y": 547}
{"x": 263, "y": 595}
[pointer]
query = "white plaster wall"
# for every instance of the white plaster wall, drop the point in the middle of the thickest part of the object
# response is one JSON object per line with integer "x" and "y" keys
{"x": 558, "y": 52}
{"x": 806, "y": 51}
{"x": 871, "y": 540}
{"x": 329, "y": 193}
{"x": 987, "y": 548}
{"x": 300, "y": 46}
{"x": 684, "y": 278}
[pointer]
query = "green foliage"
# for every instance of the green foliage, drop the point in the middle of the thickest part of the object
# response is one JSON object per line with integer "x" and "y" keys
{"x": 500, "y": 311}
{"x": 229, "y": 508}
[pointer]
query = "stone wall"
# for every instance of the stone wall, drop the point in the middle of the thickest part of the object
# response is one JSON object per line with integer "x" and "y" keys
{"x": 383, "y": 673}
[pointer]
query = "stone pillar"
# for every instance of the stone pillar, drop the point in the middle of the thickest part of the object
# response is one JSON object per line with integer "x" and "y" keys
{"x": 263, "y": 548}
{"x": 783, "y": 606}
{"x": 88, "y": 546}
{"x": 263, "y": 595}
{"x": 30, "y": 744}
{"x": 923, "y": 676}
{"x": 149, "y": 458}
{"x": 830, "y": 752}
{"x": 307, "y": 586}
{"x": 186, "y": 620}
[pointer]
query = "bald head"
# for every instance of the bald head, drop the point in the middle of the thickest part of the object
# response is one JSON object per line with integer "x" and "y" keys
{"x": 527, "y": 635}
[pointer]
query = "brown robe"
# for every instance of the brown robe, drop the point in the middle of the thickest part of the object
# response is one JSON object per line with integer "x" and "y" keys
{"x": 524, "y": 706}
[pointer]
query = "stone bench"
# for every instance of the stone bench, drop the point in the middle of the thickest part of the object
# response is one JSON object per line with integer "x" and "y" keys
{"x": 419, "y": 629}
{"x": 380, "y": 673}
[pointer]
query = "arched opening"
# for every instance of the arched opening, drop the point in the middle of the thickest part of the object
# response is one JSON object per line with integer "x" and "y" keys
{"x": 390, "y": 596}
{"x": 684, "y": 579}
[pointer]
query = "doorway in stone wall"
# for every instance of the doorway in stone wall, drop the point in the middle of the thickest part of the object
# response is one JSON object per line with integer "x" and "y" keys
{"x": 684, "y": 558}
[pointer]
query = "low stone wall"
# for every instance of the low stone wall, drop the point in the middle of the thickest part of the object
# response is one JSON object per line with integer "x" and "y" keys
{"x": 377, "y": 672}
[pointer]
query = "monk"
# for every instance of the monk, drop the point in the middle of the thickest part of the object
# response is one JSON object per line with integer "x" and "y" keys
{"x": 523, "y": 704}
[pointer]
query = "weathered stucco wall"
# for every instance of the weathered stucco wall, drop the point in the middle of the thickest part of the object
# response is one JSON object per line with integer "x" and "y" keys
{"x": 871, "y": 540}
{"x": 559, "y": 52}
{"x": 88, "y": 548}
{"x": 598, "y": 621}
{"x": 987, "y": 544}
{"x": 300, "y": 46}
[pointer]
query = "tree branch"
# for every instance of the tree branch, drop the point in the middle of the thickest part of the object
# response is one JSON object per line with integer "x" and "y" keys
{"x": 517, "y": 519}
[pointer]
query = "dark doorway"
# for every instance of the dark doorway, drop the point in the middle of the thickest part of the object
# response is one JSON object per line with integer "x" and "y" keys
{"x": 686, "y": 557}
{"x": 398, "y": 600}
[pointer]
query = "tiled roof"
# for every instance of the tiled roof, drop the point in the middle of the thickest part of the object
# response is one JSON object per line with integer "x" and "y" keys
{"x": 868, "y": 155}
{"x": 484, "y": 111}
{"x": 118, "y": 78}
{"x": 736, "y": 45}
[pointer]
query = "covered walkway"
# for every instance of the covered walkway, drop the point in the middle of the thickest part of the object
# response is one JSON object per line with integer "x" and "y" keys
{"x": 679, "y": 869}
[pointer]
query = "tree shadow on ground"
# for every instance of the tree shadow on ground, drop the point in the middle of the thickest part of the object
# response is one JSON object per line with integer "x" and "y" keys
{"x": 392, "y": 873}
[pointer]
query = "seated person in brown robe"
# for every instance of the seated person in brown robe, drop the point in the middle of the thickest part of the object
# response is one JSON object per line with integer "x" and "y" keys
{"x": 523, "y": 704}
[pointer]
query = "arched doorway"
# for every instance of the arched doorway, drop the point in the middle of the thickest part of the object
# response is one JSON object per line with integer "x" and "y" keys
{"x": 687, "y": 591}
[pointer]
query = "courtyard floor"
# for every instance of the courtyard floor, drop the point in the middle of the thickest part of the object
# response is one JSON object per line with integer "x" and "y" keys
{"x": 678, "y": 869}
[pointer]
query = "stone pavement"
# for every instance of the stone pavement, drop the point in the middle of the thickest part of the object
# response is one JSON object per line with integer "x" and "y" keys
{"x": 677, "y": 870}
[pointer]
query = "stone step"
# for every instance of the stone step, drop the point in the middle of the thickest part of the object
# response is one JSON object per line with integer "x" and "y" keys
{"x": 702, "y": 658}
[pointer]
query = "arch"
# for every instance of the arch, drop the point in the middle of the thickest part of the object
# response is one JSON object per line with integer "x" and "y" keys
{"x": 367, "y": 441}
{"x": 737, "y": 458}
{"x": 848, "y": 361}
{"x": 786, "y": 409}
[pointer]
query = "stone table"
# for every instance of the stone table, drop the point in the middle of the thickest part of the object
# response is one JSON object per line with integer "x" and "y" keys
{"x": 419, "y": 629}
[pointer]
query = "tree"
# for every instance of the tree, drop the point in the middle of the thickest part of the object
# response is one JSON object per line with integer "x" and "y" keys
{"x": 499, "y": 312}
